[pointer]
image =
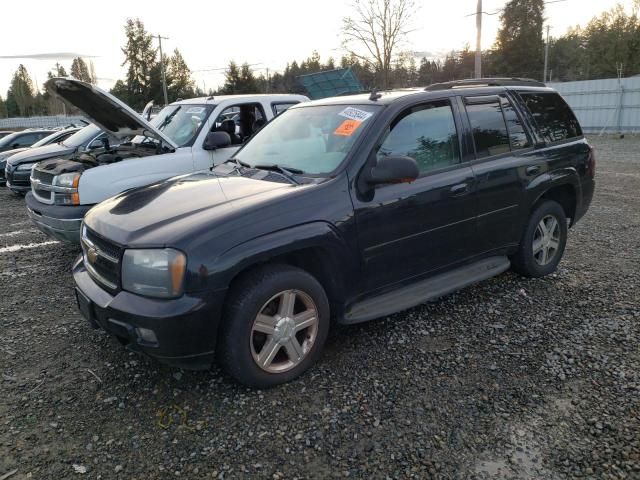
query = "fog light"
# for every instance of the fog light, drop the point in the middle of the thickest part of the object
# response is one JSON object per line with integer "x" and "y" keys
{"x": 146, "y": 335}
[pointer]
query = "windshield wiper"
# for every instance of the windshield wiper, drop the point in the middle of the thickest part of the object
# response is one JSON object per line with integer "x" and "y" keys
{"x": 286, "y": 172}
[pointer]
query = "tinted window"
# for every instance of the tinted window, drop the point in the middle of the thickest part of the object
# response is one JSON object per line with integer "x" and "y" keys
{"x": 514, "y": 126}
{"x": 426, "y": 133}
{"x": 278, "y": 108}
{"x": 554, "y": 118}
{"x": 28, "y": 139}
{"x": 489, "y": 130}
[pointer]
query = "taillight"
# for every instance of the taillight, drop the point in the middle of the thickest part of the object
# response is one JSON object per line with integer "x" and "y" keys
{"x": 591, "y": 163}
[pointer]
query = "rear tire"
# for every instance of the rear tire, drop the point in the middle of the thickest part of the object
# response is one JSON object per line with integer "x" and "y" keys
{"x": 543, "y": 241}
{"x": 275, "y": 324}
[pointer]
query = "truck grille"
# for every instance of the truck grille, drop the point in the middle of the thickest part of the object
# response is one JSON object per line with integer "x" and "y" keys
{"x": 44, "y": 177}
{"x": 101, "y": 259}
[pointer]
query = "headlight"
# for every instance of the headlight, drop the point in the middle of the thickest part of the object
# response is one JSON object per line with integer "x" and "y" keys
{"x": 25, "y": 166}
{"x": 67, "y": 180}
{"x": 69, "y": 195}
{"x": 154, "y": 272}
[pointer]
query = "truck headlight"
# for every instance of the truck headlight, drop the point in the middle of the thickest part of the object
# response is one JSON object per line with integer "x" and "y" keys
{"x": 25, "y": 166}
{"x": 154, "y": 272}
{"x": 69, "y": 182}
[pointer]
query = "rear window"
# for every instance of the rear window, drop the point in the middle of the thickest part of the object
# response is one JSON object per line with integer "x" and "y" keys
{"x": 554, "y": 118}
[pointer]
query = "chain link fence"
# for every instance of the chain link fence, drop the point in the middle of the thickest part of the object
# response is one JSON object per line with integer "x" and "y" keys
{"x": 20, "y": 123}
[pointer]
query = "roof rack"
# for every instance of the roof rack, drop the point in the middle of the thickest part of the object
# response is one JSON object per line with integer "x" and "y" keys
{"x": 486, "y": 82}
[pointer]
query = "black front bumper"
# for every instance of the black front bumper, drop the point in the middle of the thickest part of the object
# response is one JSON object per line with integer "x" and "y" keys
{"x": 17, "y": 180}
{"x": 185, "y": 328}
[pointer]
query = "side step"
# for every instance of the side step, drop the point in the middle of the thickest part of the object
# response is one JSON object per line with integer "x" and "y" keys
{"x": 425, "y": 290}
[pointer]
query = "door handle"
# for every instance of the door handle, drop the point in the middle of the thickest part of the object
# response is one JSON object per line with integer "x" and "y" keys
{"x": 460, "y": 189}
{"x": 533, "y": 170}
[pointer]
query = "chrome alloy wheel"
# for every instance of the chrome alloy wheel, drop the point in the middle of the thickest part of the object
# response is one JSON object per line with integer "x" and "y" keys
{"x": 284, "y": 331}
{"x": 546, "y": 240}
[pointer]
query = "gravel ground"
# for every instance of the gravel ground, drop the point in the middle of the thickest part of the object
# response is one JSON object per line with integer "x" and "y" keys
{"x": 512, "y": 378}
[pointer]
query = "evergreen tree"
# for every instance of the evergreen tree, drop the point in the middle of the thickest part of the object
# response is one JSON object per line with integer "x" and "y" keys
{"x": 57, "y": 71}
{"x": 140, "y": 59}
{"x": 80, "y": 70}
{"x": 519, "y": 45}
{"x": 20, "y": 97}
{"x": 182, "y": 84}
{"x": 3, "y": 108}
{"x": 239, "y": 80}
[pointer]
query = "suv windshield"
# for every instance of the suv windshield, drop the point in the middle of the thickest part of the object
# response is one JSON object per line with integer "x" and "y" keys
{"x": 181, "y": 123}
{"x": 82, "y": 136}
{"x": 313, "y": 139}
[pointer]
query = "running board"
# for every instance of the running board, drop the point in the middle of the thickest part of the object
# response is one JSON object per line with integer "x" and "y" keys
{"x": 425, "y": 290}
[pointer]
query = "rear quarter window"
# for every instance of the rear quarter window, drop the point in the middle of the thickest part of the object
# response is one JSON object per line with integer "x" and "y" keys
{"x": 552, "y": 115}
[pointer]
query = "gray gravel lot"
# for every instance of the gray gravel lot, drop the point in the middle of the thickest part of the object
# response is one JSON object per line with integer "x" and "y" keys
{"x": 512, "y": 378}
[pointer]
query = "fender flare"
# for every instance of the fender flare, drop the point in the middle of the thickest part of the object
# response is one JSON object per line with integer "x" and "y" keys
{"x": 260, "y": 249}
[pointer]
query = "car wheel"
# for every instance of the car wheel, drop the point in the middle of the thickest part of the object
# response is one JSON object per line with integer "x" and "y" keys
{"x": 275, "y": 324}
{"x": 543, "y": 242}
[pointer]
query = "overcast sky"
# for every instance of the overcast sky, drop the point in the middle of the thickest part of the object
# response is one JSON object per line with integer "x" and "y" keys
{"x": 210, "y": 34}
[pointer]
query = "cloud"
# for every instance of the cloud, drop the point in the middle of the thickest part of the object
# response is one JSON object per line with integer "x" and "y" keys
{"x": 49, "y": 56}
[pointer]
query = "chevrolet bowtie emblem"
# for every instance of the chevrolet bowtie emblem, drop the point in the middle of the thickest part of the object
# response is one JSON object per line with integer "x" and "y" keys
{"x": 92, "y": 255}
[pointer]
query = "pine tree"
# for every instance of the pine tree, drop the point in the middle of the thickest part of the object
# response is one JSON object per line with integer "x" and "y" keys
{"x": 57, "y": 71}
{"x": 20, "y": 97}
{"x": 80, "y": 70}
{"x": 3, "y": 108}
{"x": 182, "y": 84}
{"x": 140, "y": 59}
{"x": 519, "y": 45}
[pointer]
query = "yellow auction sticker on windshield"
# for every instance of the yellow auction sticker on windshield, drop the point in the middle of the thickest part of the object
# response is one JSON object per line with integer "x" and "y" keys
{"x": 346, "y": 128}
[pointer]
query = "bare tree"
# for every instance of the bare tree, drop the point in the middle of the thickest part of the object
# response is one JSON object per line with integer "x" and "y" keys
{"x": 376, "y": 31}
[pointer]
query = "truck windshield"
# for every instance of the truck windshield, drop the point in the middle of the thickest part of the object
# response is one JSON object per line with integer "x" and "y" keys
{"x": 313, "y": 139}
{"x": 181, "y": 123}
{"x": 82, "y": 136}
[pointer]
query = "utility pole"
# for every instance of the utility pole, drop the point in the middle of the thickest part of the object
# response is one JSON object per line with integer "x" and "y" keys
{"x": 164, "y": 77}
{"x": 546, "y": 56}
{"x": 478, "y": 66}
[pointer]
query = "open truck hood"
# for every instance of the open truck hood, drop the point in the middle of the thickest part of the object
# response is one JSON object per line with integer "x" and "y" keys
{"x": 104, "y": 109}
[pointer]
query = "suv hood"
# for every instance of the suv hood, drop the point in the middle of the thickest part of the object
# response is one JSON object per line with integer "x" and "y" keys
{"x": 160, "y": 213}
{"x": 104, "y": 109}
{"x": 40, "y": 153}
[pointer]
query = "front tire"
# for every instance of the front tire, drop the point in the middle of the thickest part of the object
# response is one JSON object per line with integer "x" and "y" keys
{"x": 275, "y": 324}
{"x": 543, "y": 241}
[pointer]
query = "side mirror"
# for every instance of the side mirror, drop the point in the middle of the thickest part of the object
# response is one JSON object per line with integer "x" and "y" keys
{"x": 393, "y": 169}
{"x": 216, "y": 140}
{"x": 15, "y": 145}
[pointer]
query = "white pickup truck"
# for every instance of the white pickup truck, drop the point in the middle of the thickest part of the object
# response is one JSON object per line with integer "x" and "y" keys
{"x": 186, "y": 136}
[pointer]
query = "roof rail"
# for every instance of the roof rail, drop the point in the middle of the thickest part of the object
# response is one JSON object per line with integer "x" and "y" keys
{"x": 486, "y": 82}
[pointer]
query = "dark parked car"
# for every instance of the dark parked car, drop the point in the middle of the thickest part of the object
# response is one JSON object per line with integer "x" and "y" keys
{"x": 344, "y": 209}
{"x": 25, "y": 138}
{"x": 55, "y": 137}
{"x": 18, "y": 169}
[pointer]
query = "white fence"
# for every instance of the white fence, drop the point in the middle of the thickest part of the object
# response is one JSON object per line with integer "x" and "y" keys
{"x": 18, "y": 123}
{"x": 608, "y": 105}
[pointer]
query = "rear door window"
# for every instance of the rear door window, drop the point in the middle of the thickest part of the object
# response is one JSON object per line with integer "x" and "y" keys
{"x": 280, "y": 107}
{"x": 490, "y": 135}
{"x": 553, "y": 117}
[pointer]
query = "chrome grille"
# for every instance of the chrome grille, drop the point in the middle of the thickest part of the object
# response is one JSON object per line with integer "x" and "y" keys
{"x": 43, "y": 177}
{"x": 101, "y": 259}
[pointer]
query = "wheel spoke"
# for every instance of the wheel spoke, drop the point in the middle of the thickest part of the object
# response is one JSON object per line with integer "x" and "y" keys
{"x": 287, "y": 303}
{"x": 537, "y": 246}
{"x": 268, "y": 352}
{"x": 553, "y": 224}
{"x": 294, "y": 349}
{"x": 545, "y": 253}
{"x": 554, "y": 244}
{"x": 265, "y": 324}
{"x": 305, "y": 319}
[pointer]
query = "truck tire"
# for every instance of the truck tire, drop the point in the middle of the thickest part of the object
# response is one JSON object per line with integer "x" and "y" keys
{"x": 543, "y": 241}
{"x": 275, "y": 324}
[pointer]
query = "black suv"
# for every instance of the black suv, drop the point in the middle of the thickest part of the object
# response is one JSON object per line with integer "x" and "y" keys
{"x": 344, "y": 209}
